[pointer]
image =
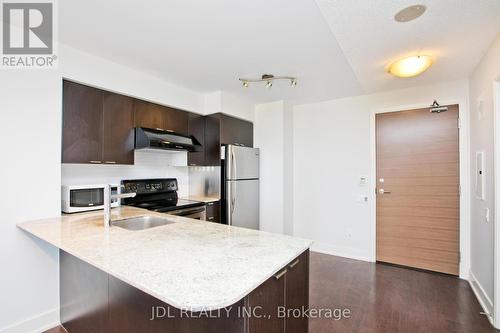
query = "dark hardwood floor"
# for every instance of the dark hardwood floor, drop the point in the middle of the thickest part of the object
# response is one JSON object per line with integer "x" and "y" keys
{"x": 385, "y": 299}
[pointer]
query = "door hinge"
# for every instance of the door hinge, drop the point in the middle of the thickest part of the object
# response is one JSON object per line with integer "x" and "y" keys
{"x": 459, "y": 190}
{"x": 459, "y": 257}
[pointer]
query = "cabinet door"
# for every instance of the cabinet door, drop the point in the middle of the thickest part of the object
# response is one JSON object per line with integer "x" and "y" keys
{"x": 235, "y": 131}
{"x": 197, "y": 130}
{"x": 176, "y": 120}
{"x": 149, "y": 115}
{"x": 82, "y": 124}
{"x": 297, "y": 293}
{"x": 213, "y": 211}
{"x": 229, "y": 130}
{"x": 118, "y": 134}
{"x": 245, "y": 133}
{"x": 265, "y": 301}
{"x": 212, "y": 141}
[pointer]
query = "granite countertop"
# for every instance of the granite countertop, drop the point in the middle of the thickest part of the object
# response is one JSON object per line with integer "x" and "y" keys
{"x": 201, "y": 199}
{"x": 189, "y": 264}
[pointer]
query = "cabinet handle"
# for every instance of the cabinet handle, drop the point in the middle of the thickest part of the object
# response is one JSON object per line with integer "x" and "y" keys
{"x": 159, "y": 129}
{"x": 171, "y": 131}
{"x": 193, "y": 164}
{"x": 211, "y": 218}
{"x": 210, "y": 204}
{"x": 95, "y": 162}
{"x": 280, "y": 274}
{"x": 110, "y": 162}
{"x": 293, "y": 264}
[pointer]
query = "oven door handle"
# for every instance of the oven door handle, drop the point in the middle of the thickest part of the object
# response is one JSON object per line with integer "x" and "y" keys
{"x": 187, "y": 211}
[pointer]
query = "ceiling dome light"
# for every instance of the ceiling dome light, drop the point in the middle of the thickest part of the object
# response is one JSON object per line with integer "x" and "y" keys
{"x": 411, "y": 66}
{"x": 410, "y": 13}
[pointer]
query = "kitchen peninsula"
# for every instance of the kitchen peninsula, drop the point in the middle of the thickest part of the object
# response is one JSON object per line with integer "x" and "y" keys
{"x": 194, "y": 276}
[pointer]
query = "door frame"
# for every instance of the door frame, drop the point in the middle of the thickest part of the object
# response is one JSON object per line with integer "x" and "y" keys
{"x": 496, "y": 177}
{"x": 464, "y": 161}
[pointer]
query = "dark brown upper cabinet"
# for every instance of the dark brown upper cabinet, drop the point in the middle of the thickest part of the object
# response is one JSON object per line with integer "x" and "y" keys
{"x": 197, "y": 130}
{"x": 151, "y": 115}
{"x": 82, "y": 124}
{"x": 212, "y": 141}
{"x": 118, "y": 129}
{"x": 220, "y": 129}
{"x": 97, "y": 126}
{"x": 177, "y": 121}
{"x": 235, "y": 131}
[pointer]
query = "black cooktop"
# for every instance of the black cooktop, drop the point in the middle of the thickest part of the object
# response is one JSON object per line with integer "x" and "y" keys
{"x": 159, "y": 195}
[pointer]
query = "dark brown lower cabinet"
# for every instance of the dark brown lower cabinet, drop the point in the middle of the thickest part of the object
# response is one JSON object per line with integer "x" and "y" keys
{"x": 265, "y": 302}
{"x": 93, "y": 301}
{"x": 297, "y": 294}
{"x": 213, "y": 211}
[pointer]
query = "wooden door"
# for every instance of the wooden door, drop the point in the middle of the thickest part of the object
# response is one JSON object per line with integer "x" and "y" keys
{"x": 82, "y": 124}
{"x": 418, "y": 171}
{"x": 118, "y": 134}
{"x": 149, "y": 115}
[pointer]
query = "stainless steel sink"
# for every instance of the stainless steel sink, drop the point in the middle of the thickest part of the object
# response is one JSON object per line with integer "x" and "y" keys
{"x": 141, "y": 222}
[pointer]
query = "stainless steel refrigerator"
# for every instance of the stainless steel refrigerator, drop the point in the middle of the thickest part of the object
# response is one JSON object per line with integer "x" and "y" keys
{"x": 240, "y": 174}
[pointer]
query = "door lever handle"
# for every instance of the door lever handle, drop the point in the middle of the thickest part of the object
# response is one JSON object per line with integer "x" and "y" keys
{"x": 382, "y": 191}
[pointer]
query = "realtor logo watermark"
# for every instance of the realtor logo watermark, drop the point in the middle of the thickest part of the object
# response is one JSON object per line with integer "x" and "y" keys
{"x": 28, "y": 35}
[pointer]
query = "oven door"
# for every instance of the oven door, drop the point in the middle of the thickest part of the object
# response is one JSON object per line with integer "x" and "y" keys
{"x": 197, "y": 213}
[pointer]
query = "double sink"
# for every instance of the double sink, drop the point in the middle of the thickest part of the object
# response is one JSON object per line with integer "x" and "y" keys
{"x": 141, "y": 222}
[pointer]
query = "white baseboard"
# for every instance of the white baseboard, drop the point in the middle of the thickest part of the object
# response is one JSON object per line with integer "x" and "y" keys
{"x": 339, "y": 251}
{"x": 35, "y": 324}
{"x": 481, "y": 296}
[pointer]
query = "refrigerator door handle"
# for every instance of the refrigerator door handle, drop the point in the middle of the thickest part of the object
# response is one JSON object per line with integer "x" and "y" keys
{"x": 233, "y": 203}
{"x": 233, "y": 165}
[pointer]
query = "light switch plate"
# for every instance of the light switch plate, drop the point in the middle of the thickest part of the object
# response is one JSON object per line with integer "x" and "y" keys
{"x": 363, "y": 180}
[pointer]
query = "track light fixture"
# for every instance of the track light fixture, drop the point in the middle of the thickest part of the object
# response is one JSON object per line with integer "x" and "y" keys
{"x": 269, "y": 78}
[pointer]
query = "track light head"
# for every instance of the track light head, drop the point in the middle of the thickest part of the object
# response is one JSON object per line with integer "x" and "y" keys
{"x": 269, "y": 84}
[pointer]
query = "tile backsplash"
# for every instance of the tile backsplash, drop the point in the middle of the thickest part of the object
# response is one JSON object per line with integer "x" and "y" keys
{"x": 148, "y": 164}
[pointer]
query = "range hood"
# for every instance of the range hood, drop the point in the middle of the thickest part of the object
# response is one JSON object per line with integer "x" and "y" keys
{"x": 147, "y": 138}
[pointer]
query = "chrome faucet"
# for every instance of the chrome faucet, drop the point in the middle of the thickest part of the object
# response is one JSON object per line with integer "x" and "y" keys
{"x": 107, "y": 203}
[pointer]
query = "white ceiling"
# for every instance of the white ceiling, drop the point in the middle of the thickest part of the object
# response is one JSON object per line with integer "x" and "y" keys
{"x": 207, "y": 45}
{"x": 340, "y": 50}
{"x": 456, "y": 32}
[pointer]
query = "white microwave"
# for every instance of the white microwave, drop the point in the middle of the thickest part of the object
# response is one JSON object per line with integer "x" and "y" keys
{"x": 83, "y": 198}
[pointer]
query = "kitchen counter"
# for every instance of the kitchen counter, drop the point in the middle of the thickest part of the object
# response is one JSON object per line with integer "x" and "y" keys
{"x": 201, "y": 199}
{"x": 189, "y": 264}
